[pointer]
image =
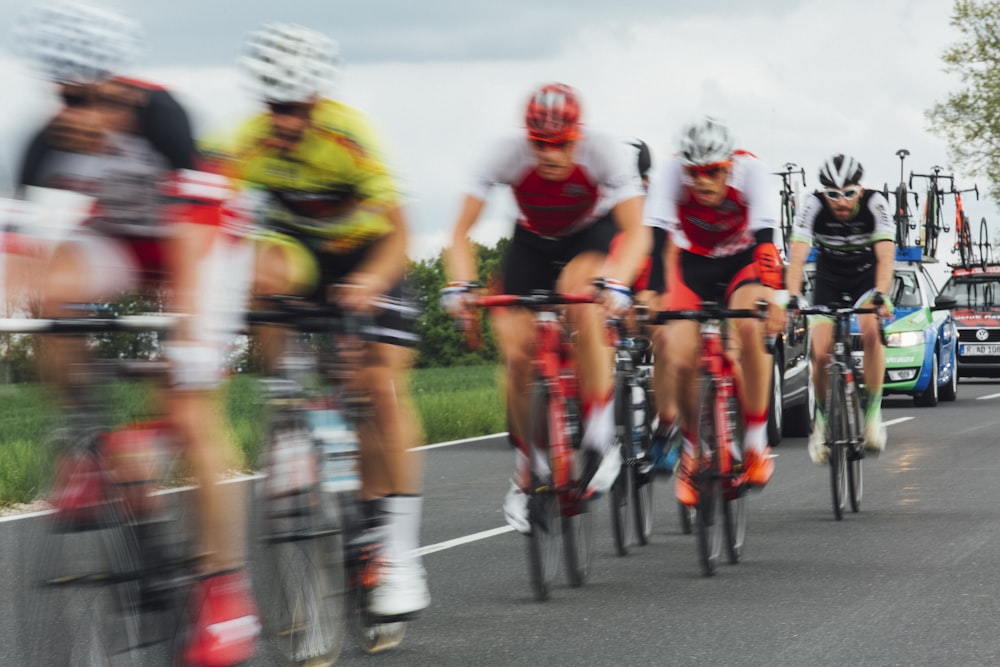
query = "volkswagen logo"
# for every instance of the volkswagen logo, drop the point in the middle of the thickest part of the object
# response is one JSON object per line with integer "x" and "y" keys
{"x": 982, "y": 334}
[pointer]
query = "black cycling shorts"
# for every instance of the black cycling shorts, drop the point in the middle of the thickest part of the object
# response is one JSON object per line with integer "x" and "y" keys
{"x": 534, "y": 263}
{"x": 395, "y": 320}
{"x": 829, "y": 290}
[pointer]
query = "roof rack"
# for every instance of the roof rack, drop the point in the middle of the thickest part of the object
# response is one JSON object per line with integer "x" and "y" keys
{"x": 978, "y": 269}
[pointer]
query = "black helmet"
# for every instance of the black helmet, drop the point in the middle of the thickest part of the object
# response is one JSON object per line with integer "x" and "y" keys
{"x": 840, "y": 171}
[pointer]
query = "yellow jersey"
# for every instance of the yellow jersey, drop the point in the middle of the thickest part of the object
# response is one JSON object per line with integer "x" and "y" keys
{"x": 333, "y": 185}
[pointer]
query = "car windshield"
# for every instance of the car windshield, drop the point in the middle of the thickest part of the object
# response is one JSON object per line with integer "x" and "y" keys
{"x": 974, "y": 291}
{"x": 906, "y": 290}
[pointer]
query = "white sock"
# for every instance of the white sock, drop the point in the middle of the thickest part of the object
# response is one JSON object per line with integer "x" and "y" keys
{"x": 599, "y": 432}
{"x": 403, "y": 526}
{"x": 755, "y": 437}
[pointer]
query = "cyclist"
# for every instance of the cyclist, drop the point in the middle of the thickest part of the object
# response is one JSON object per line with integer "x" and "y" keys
{"x": 336, "y": 231}
{"x": 713, "y": 200}
{"x": 853, "y": 231}
{"x": 575, "y": 191}
{"x": 127, "y": 144}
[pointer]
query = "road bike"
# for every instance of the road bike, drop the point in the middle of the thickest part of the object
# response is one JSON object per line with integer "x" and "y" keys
{"x": 558, "y": 500}
{"x": 788, "y": 200}
{"x": 905, "y": 222}
{"x": 844, "y": 408}
{"x": 112, "y": 563}
{"x": 932, "y": 220}
{"x": 633, "y": 489}
{"x": 317, "y": 558}
{"x": 721, "y": 511}
{"x": 963, "y": 229}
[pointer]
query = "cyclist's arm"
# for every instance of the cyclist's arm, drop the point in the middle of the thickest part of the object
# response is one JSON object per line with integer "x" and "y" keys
{"x": 633, "y": 248}
{"x": 460, "y": 260}
{"x": 798, "y": 255}
{"x": 885, "y": 265}
{"x": 386, "y": 263}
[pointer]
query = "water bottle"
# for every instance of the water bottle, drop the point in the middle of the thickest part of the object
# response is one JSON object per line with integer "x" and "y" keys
{"x": 339, "y": 447}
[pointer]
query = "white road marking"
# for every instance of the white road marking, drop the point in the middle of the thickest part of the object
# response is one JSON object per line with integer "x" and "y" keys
{"x": 451, "y": 443}
{"x": 893, "y": 422}
{"x": 987, "y": 397}
{"x": 459, "y": 541}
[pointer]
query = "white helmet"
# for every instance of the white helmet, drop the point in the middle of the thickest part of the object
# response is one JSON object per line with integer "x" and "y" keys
{"x": 72, "y": 42}
{"x": 289, "y": 63}
{"x": 705, "y": 141}
{"x": 840, "y": 171}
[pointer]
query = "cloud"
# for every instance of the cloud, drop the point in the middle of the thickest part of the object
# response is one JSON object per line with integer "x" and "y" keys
{"x": 796, "y": 79}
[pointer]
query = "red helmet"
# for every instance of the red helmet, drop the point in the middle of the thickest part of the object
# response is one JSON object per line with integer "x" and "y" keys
{"x": 553, "y": 114}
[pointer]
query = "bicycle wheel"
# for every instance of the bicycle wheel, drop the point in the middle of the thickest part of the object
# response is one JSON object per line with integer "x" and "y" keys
{"x": 855, "y": 457}
{"x": 543, "y": 505}
{"x": 642, "y": 488}
{"x": 902, "y": 218}
{"x": 836, "y": 429}
{"x": 709, "y": 518}
{"x": 933, "y": 225}
{"x": 81, "y": 567}
{"x": 736, "y": 506}
{"x": 298, "y": 569}
{"x": 686, "y": 516}
{"x": 984, "y": 244}
{"x": 577, "y": 535}
{"x": 621, "y": 491}
{"x": 965, "y": 243}
{"x": 619, "y": 498}
{"x": 361, "y": 548}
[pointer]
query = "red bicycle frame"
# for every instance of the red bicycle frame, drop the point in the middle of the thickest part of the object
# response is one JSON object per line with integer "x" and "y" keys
{"x": 718, "y": 364}
{"x": 553, "y": 362}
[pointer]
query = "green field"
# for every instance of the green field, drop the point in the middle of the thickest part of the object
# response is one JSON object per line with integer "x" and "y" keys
{"x": 453, "y": 403}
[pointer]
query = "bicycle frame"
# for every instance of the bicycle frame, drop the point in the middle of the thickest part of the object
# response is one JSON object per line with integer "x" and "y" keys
{"x": 932, "y": 207}
{"x": 787, "y": 193}
{"x": 553, "y": 362}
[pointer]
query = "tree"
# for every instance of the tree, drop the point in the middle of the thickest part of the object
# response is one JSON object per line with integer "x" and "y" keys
{"x": 969, "y": 118}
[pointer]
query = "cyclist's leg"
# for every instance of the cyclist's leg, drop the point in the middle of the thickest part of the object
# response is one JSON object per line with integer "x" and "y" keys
{"x": 743, "y": 293}
{"x": 874, "y": 372}
{"x": 222, "y": 597}
{"x": 584, "y": 254}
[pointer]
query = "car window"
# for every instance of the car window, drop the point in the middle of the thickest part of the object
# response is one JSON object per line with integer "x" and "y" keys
{"x": 906, "y": 290}
{"x": 978, "y": 292}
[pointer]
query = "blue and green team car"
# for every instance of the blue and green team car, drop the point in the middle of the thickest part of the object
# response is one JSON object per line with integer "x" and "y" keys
{"x": 921, "y": 353}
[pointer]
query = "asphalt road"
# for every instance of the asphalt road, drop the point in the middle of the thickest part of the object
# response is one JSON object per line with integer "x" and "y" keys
{"x": 910, "y": 580}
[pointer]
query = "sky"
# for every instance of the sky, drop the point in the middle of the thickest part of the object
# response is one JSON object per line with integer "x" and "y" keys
{"x": 797, "y": 80}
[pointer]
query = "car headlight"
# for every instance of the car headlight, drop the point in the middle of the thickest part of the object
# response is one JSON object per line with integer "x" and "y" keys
{"x": 905, "y": 339}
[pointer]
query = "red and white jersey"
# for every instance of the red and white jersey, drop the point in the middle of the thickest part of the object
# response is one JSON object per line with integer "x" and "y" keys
{"x": 602, "y": 177}
{"x": 719, "y": 231}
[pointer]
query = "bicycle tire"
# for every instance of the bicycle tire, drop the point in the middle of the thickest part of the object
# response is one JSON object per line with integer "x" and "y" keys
{"x": 620, "y": 494}
{"x": 735, "y": 509}
{"x": 360, "y": 550}
{"x": 708, "y": 522}
{"x": 577, "y": 536}
{"x": 543, "y": 505}
{"x": 933, "y": 225}
{"x": 836, "y": 425}
{"x": 855, "y": 479}
{"x": 298, "y": 565}
{"x": 902, "y": 217}
{"x": 686, "y": 517}
{"x": 965, "y": 250}
{"x": 82, "y": 572}
{"x": 984, "y": 244}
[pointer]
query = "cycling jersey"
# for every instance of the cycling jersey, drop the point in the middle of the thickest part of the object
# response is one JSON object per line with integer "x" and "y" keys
{"x": 844, "y": 249}
{"x": 332, "y": 185}
{"x": 602, "y": 177}
{"x": 712, "y": 231}
{"x": 137, "y": 179}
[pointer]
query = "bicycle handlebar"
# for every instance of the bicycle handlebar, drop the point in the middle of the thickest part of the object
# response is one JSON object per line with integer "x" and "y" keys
{"x": 710, "y": 311}
{"x": 85, "y": 325}
{"x": 935, "y": 177}
{"x": 537, "y": 300}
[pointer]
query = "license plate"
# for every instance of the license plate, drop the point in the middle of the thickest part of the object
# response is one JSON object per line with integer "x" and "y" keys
{"x": 978, "y": 349}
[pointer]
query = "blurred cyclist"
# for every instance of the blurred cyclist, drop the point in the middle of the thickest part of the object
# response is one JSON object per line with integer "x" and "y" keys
{"x": 713, "y": 201}
{"x": 335, "y": 231}
{"x": 156, "y": 218}
{"x": 853, "y": 231}
{"x": 575, "y": 191}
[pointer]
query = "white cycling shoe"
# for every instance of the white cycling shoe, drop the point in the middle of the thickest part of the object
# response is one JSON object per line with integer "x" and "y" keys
{"x": 875, "y": 436}
{"x": 607, "y": 472}
{"x": 515, "y": 509}
{"x": 818, "y": 451}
